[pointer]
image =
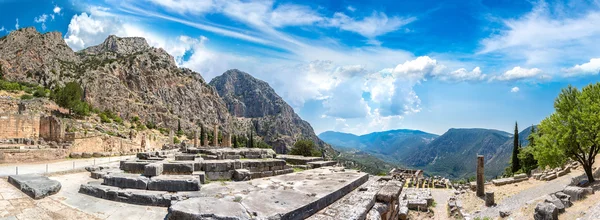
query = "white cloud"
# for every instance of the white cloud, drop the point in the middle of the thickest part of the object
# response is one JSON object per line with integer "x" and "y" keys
{"x": 186, "y": 6}
{"x": 2, "y": 29}
{"x": 41, "y": 19}
{"x": 17, "y": 25}
{"x": 462, "y": 75}
{"x": 293, "y": 15}
{"x": 370, "y": 27}
{"x": 589, "y": 68}
{"x": 514, "y": 89}
{"x": 518, "y": 73}
{"x": 350, "y": 8}
{"x": 546, "y": 35}
{"x": 56, "y": 10}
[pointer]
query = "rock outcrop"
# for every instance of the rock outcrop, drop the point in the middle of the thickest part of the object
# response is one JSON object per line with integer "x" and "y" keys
{"x": 254, "y": 101}
{"x": 123, "y": 75}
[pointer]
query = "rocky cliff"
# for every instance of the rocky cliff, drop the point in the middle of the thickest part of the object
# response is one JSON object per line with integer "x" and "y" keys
{"x": 123, "y": 75}
{"x": 254, "y": 101}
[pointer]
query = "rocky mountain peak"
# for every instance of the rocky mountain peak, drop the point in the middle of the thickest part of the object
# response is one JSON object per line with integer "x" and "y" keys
{"x": 119, "y": 45}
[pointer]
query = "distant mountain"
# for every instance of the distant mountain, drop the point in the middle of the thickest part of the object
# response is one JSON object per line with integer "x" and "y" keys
{"x": 453, "y": 154}
{"x": 392, "y": 146}
{"x": 256, "y": 106}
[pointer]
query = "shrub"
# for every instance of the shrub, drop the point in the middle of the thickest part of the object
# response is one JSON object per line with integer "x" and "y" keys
{"x": 81, "y": 108}
{"x": 26, "y": 97}
{"x": 41, "y": 92}
{"x": 135, "y": 119}
{"x": 176, "y": 140}
{"x": 304, "y": 148}
{"x": 104, "y": 118}
{"x": 150, "y": 125}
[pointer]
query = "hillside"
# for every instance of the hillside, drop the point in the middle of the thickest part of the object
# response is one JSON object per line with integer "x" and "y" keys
{"x": 452, "y": 154}
{"x": 128, "y": 77}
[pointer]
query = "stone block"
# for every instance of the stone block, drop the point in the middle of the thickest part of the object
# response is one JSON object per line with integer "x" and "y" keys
{"x": 489, "y": 199}
{"x": 86, "y": 155}
{"x": 134, "y": 166}
{"x": 97, "y": 154}
{"x": 34, "y": 185}
{"x": 241, "y": 175}
{"x": 217, "y": 165}
{"x": 75, "y": 155}
{"x": 201, "y": 176}
{"x": 545, "y": 211}
{"x": 390, "y": 192}
{"x": 266, "y": 174}
{"x": 153, "y": 169}
{"x": 174, "y": 183}
{"x": 126, "y": 180}
{"x": 97, "y": 174}
{"x": 185, "y": 157}
{"x": 576, "y": 193}
{"x": 559, "y": 204}
{"x": 226, "y": 175}
{"x": 419, "y": 204}
{"x": 318, "y": 164}
{"x": 233, "y": 157}
{"x": 178, "y": 168}
{"x": 284, "y": 171}
{"x": 520, "y": 176}
{"x": 209, "y": 157}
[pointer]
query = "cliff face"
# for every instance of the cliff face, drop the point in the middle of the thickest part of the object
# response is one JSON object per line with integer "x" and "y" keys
{"x": 130, "y": 78}
{"x": 124, "y": 75}
{"x": 255, "y": 102}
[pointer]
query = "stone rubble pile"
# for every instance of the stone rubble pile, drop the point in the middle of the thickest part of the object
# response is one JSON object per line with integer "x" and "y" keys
{"x": 556, "y": 203}
{"x": 515, "y": 179}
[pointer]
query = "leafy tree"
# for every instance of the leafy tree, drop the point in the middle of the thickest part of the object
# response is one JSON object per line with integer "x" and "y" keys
{"x": 573, "y": 131}
{"x": 515, "y": 154}
{"x": 303, "y": 147}
{"x": 68, "y": 96}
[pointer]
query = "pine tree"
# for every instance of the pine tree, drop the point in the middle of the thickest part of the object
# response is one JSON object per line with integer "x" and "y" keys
{"x": 251, "y": 141}
{"x": 515, "y": 155}
{"x": 202, "y": 134}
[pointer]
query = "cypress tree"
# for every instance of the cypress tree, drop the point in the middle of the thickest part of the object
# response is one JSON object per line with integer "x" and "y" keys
{"x": 515, "y": 155}
{"x": 201, "y": 135}
{"x": 251, "y": 141}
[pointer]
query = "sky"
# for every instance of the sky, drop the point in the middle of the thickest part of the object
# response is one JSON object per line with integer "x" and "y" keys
{"x": 360, "y": 66}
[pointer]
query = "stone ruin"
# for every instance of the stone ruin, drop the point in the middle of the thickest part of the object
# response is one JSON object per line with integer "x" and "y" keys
{"x": 415, "y": 178}
{"x": 246, "y": 183}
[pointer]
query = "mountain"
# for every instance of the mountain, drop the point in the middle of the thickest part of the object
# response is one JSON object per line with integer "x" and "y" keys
{"x": 254, "y": 102}
{"x": 393, "y": 146}
{"x": 452, "y": 154}
{"x": 123, "y": 75}
{"x": 132, "y": 79}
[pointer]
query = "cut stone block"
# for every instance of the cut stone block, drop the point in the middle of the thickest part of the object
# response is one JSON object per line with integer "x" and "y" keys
{"x": 317, "y": 164}
{"x": 134, "y": 166}
{"x": 153, "y": 169}
{"x": 126, "y": 180}
{"x": 545, "y": 211}
{"x": 218, "y": 165}
{"x": 390, "y": 192}
{"x": 241, "y": 175}
{"x": 226, "y": 175}
{"x": 284, "y": 171}
{"x": 174, "y": 183}
{"x": 420, "y": 204}
{"x": 201, "y": 176}
{"x": 34, "y": 185}
{"x": 520, "y": 176}
{"x": 298, "y": 160}
{"x": 185, "y": 157}
{"x": 178, "y": 168}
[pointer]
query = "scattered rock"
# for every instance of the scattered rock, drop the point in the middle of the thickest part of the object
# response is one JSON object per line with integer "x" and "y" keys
{"x": 545, "y": 211}
{"x": 34, "y": 185}
{"x": 504, "y": 214}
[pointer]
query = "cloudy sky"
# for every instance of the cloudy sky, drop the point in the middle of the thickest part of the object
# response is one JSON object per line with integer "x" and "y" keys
{"x": 357, "y": 66}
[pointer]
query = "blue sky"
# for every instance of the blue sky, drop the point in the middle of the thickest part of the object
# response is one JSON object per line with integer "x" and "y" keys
{"x": 358, "y": 66}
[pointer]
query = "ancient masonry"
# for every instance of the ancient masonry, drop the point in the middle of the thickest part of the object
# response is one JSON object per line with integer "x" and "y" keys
{"x": 480, "y": 177}
{"x": 216, "y": 136}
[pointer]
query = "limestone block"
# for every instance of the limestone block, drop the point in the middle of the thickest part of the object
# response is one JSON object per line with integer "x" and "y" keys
{"x": 126, "y": 180}
{"x": 317, "y": 164}
{"x": 201, "y": 176}
{"x": 420, "y": 204}
{"x": 241, "y": 175}
{"x": 34, "y": 185}
{"x": 97, "y": 174}
{"x": 559, "y": 204}
{"x": 153, "y": 169}
{"x": 75, "y": 155}
{"x": 86, "y": 155}
{"x": 233, "y": 157}
{"x": 185, "y": 157}
{"x": 284, "y": 171}
{"x": 174, "y": 183}
{"x": 266, "y": 174}
{"x": 178, "y": 168}
{"x": 134, "y": 166}
{"x": 489, "y": 199}
{"x": 545, "y": 211}
{"x": 390, "y": 192}
{"x": 97, "y": 154}
{"x": 520, "y": 176}
{"x": 373, "y": 215}
{"x": 576, "y": 193}
{"x": 226, "y": 175}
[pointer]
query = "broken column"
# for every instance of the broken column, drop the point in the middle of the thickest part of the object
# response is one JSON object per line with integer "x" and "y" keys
{"x": 226, "y": 140}
{"x": 143, "y": 144}
{"x": 489, "y": 199}
{"x": 195, "y": 139}
{"x": 480, "y": 177}
{"x": 205, "y": 137}
{"x": 171, "y": 135}
{"x": 216, "y": 136}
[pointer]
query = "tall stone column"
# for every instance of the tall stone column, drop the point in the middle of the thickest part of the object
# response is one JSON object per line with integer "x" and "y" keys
{"x": 195, "y": 138}
{"x": 171, "y": 135}
{"x": 480, "y": 177}
{"x": 216, "y": 136}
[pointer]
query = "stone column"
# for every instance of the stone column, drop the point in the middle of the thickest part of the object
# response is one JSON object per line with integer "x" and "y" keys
{"x": 480, "y": 177}
{"x": 171, "y": 135}
{"x": 216, "y": 136}
{"x": 143, "y": 143}
{"x": 227, "y": 140}
{"x": 205, "y": 144}
{"x": 195, "y": 139}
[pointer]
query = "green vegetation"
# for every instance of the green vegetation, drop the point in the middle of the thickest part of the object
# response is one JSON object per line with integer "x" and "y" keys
{"x": 515, "y": 153}
{"x": 176, "y": 140}
{"x": 526, "y": 158}
{"x": 179, "y": 130}
{"x": 571, "y": 132}
{"x": 305, "y": 148}
{"x": 26, "y": 97}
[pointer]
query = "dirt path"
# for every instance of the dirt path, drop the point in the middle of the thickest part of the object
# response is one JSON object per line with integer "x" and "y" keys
{"x": 441, "y": 196}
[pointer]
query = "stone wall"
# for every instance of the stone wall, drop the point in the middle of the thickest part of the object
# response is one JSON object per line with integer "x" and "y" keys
{"x": 51, "y": 129}
{"x": 19, "y": 126}
{"x": 19, "y": 156}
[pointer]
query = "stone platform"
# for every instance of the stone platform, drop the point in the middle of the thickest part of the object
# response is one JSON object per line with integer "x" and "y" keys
{"x": 135, "y": 196}
{"x": 289, "y": 196}
{"x": 298, "y": 160}
{"x": 34, "y": 185}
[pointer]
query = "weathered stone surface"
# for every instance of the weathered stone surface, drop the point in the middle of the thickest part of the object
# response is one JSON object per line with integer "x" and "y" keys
{"x": 241, "y": 175}
{"x": 126, "y": 180}
{"x": 545, "y": 211}
{"x": 174, "y": 183}
{"x": 133, "y": 166}
{"x": 134, "y": 196}
{"x": 417, "y": 204}
{"x": 354, "y": 205}
{"x": 373, "y": 215}
{"x": 225, "y": 175}
{"x": 207, "y": 208}
{"x": 178, "y": 168}
{"x": 183, "y": 157}
{"x": 75, "y": 155}
{"x": 86, "y": 155}
{"x": 218, "y": 165}
{"x": 576, "y": 193}
{"x": 559, "y": 204}
{"x": 201, "y": 176}
{"x": 390, "y": 191}
{"x": 298, "y": 160}
{"x": 480, "y": 176}
{"x": 317, "y": 164}
{"x": 520, "y": 176}
{"x": 34, "y": 185}
{"x": 489, "y": 199}
{"x": 504, "y": 214}
{"x": 153, "y": 169}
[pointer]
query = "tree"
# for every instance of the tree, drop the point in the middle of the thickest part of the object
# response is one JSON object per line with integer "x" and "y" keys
{"x": 303, "y": 147}
{"x": 526, "y": 158}
{"x": 202, "y": 134}
{"x": 69, "y": 96}
{"x": 572, "y": 131}
{"x": 515, "y": 154}
{"x": 234, "y": 141}
{"x": 251, "y": 140}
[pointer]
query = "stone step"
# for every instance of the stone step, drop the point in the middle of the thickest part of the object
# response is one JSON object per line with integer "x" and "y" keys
{"x": 317, "y": 164}
{"x": 298, "y": 160}
{"x": 35, "y": 185}
{"x": 174, "y": 183}
{"x": 135, "y": 196}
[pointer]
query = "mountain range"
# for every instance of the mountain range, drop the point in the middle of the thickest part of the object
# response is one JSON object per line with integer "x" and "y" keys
{"x": 132, "y": 79}
{"x": 453, "y": 154}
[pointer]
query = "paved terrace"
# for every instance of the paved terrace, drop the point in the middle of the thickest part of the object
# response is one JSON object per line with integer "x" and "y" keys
{"x": 58, "y": 166}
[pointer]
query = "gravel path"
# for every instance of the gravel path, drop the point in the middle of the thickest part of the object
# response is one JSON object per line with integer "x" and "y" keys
{"x": 441, "y": 196}
{"x": 519, "y": 200}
